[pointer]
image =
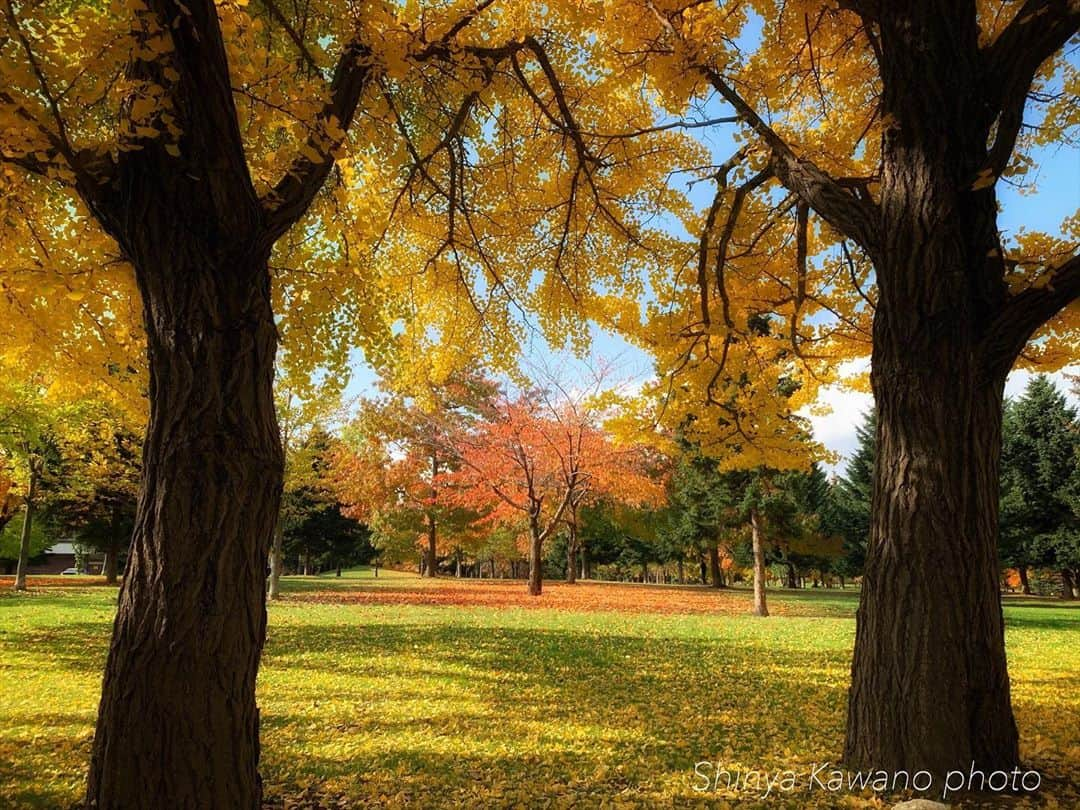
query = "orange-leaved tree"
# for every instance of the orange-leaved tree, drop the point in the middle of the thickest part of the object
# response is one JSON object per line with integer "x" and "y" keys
{"x": 536, "y": 459}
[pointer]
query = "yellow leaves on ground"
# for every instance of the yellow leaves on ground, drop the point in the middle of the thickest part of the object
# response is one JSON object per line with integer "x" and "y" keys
{"x": 372, "y": 697}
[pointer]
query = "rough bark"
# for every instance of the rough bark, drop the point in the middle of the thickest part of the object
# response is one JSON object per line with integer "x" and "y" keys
{"x": 178, "y": 724}
{"x": 760, "y": 608}
{"x": 28, "y": 522}
{"x": 930, "y": 686}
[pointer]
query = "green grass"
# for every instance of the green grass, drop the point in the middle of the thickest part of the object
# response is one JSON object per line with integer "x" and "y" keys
{"x": 430, "y": 706}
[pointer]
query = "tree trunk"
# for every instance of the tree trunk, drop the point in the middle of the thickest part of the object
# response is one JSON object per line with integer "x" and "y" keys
{"x": 536, "y": 561}
{"x": 714, "y": 567}
{"x": 760, "y": 608}
{"x": 704, "y": 571}
{"x": 431, "y": 560}
{"x": 930, "y": 686}
{"x": 24, "y": 537}
{"x": 791, "y": 581}
{"x": 178, "y": 725}
{"x": 1025, "y": 584}
{"x": 682, "y": 572}
{"x": 276, "y": 559}
{"x": 111, "y": 567}
{"x": 1068, "y": 584}
{"x": 572, "y": 550}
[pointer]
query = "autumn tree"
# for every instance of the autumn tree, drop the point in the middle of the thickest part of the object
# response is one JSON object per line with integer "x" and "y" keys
{"x": 538, "y": 455}
{"x": 303, "y": 407}
{"x": 858, "y": 124}
{"x": 157, "y": 158}
{"x": 391, "y": 468}
{"x": 30, "y": 422}
{"x": 97, "y": 495}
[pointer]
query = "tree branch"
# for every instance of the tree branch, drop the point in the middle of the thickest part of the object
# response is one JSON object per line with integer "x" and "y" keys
{"x": 293, "y": 193}
{"x": 1024, "y": 313}
{"x": 1039, "y": 29}
{"x": 851, "y": 214}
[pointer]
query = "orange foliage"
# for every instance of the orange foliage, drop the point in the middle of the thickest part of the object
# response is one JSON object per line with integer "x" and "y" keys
{"x": 579, "y": 598}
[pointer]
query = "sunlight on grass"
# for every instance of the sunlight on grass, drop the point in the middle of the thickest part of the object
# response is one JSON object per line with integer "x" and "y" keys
{"x": 431, "y": 706}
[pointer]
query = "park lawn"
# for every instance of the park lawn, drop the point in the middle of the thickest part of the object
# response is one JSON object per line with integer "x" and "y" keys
{"x": 399, "y": 692}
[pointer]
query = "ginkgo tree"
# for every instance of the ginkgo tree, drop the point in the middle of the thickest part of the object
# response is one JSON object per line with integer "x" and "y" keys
{"x": 157, "y": 157}
{"x": 860, "y": 211}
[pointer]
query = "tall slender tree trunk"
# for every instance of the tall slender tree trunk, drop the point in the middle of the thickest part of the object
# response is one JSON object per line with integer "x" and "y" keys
{"x": 178, "y": 725}
{"x": 1025, "y": 583}
{"x": 572, "y": 550}
{"x": 760, "y": 608}
{"x": 276, "y": 559}
{"x": 27, "y": 527}
{"x": 536, "y": 560}
{"x": 431, "y": 559}
{"x": 111, "y": 568}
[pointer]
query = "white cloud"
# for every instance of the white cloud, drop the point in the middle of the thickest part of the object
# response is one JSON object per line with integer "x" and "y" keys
{"x": 836, "y": 429}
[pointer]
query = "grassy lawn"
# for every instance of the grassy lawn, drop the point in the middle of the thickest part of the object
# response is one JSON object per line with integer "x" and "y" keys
{"x": 394, "y": 692}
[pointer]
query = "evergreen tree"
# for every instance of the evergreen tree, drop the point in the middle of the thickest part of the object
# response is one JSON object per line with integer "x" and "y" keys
{"x": 848, "y": 511}
{"x": 1040, "y": 484}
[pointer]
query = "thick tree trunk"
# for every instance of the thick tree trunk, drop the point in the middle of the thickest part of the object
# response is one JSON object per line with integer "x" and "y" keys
{"x": 24, "y": 537}
{"x": 760, "y": 608}
{"x": 930, "y": 687}
{"x": 681, "y": 571}
{"x": 431, "y": 559}
{"x": 715, "y": 579}
{"x": 111, "y": 567}
{"x": 1025, "y": 583}
{"x": 276, "y": 559}
{"x": 178, "y": 725}
{"x": 536, "y": 561}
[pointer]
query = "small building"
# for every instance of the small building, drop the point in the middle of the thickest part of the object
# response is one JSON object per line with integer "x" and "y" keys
{"x": 61, "y": 556}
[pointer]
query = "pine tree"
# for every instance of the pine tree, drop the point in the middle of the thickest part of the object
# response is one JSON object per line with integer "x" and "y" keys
{"x": 1040, "y": 483}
